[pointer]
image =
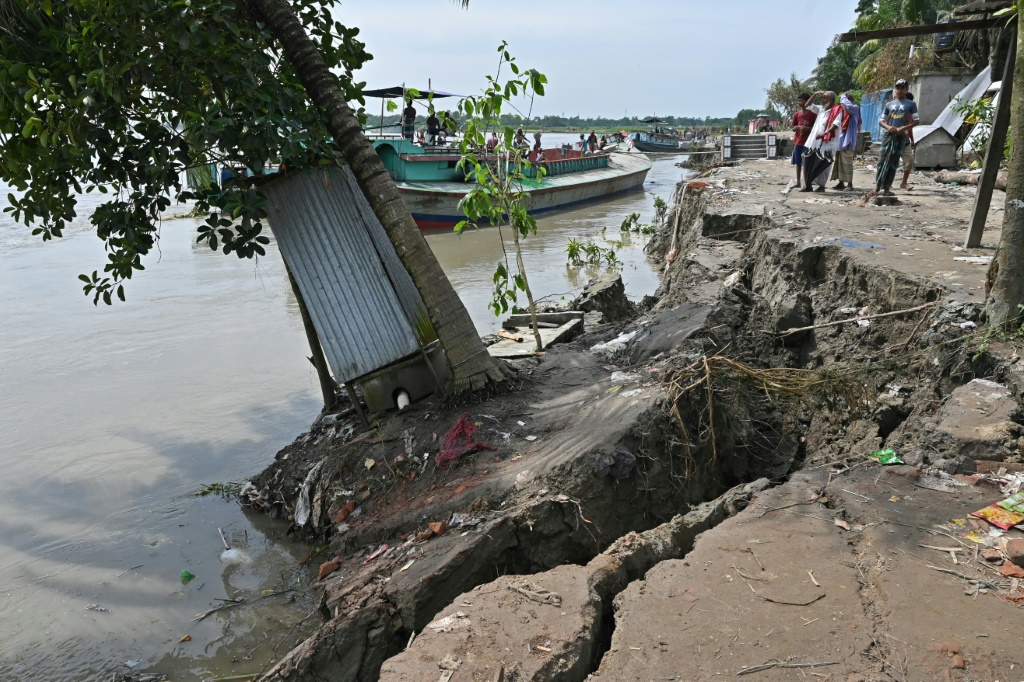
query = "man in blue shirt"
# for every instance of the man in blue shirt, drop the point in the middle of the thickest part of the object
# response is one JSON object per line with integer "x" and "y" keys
{"x": 899, "y": 116}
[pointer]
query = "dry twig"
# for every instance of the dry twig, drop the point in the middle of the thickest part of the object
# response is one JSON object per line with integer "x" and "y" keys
{"x": 782, "y": 664}
{"x": 860, "y": 317}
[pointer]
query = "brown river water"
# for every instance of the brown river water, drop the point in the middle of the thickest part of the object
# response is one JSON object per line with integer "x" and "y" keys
{"x": 112, "y": 418}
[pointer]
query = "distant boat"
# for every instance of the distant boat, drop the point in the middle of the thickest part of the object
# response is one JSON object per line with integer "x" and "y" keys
{"x": 432, "y": 186}
{"x": 657, "y": 139}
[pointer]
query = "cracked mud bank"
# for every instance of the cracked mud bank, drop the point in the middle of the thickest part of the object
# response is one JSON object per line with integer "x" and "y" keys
{"x": 569, "y": 550}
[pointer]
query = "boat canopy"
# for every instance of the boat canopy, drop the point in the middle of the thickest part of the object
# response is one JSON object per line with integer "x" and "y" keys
{"x": 399, "y": 92}
{"x": 652, "y": 119}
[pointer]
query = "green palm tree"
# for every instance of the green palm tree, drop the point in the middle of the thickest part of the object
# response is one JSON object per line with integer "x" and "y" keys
{"x": 884, "y": 14}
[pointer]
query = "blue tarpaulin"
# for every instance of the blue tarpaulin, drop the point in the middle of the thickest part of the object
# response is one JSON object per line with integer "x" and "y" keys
{"x": 871, "y": 111}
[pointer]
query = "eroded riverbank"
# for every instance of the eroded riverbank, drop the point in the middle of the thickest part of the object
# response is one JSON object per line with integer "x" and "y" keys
{"x": 721, "y": 385}
{"x": 113, "y": 418}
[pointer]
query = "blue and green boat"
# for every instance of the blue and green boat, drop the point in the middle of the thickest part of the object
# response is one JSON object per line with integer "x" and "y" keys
{"x": 432, "y": 184}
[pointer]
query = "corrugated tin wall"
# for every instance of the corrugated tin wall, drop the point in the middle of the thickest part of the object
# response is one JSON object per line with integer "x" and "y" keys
{"x": 871, "y": 110}
{"x": 321, "y": 228}
{"x": 408, "y": 296}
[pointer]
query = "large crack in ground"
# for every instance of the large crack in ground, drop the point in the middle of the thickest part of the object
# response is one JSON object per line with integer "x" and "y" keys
{"x": 544, "y": 534}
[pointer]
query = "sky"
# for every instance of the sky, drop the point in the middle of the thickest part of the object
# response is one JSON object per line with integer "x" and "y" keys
{"x": 601, "y": 57}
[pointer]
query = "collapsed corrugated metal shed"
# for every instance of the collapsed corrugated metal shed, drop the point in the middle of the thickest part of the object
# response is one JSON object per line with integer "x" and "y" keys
{"x": 362, "y": 301}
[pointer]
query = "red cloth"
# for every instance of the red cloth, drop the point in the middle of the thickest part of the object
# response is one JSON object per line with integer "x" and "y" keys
{"x": 458, "y": 442}
{"x": 844, "y": 122}
{"x": 804, "y": 117}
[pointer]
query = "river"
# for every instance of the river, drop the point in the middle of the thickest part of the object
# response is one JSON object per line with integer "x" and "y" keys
{"x": 112, "y": 419}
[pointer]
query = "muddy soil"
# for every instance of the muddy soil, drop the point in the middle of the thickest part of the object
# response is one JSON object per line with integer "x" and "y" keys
{"x": 772, "y": 347}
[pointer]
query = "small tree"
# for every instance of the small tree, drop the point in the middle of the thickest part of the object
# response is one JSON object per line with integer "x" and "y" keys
{"x": 782, "y": 94}
{"x": 498, "y": 195}
{"x": 835, "y": 70}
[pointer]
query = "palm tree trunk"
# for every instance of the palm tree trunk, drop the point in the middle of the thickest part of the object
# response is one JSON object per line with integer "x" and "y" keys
{"x": 472, "y": 367}
{"x": 1005, "y": 282}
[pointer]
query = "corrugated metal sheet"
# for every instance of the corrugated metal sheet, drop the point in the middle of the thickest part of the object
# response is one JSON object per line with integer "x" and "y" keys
{"x": 321, "y": 228}
{"x": 408, "y": 296}
{"x": 871, "y": 111}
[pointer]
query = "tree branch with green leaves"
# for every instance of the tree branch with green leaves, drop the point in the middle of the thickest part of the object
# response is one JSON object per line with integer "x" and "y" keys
{"x": 499, "y": 172}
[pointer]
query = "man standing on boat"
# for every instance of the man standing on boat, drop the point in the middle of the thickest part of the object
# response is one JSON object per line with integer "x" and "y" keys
{"x": 408, "y": 120}
{"x": 433, "y": 128}
{"x": 899, "y": 116}
{"x": 803, "y": 121}
{"x": 592, "y": 142}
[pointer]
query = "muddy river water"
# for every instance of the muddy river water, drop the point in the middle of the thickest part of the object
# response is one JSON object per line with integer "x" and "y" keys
{"x": 113, "y": 418}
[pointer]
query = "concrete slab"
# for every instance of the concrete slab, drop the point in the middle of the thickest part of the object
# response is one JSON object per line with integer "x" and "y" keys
{"x": 978, "y": 420}
{"x": 508, "y": 349}
{"x": 782, "y": 583}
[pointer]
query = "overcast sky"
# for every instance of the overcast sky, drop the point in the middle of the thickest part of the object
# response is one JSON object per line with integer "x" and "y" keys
{"x": 602, "y": 57}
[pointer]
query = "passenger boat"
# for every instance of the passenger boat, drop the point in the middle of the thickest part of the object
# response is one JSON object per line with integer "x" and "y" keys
{"x": 432, "y": 185}
{"x": 657, "y": 139}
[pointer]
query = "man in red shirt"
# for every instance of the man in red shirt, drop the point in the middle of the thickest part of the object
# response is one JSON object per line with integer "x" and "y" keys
{"x": 803, "y": 121}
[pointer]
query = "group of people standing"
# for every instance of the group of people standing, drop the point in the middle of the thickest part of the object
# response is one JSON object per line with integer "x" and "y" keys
{"x": 591, "y": 143}
{"x": 825, "y": 138}
{"x": 437, "y": 129}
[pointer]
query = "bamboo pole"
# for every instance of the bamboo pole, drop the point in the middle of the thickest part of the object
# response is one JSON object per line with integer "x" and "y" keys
{"x": 328, "y": 387}
{"x": 994, "y": 153}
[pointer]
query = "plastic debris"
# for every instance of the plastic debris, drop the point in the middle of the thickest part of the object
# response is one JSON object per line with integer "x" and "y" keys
{"x": 186, "y": 638}
{"x": 999, "y": 517}
{"x": 438, "y": 527}
{"x": 615, "y": 345}
{"x": 886, "y": 456}
{"x": 187, "y": 577}
{"x": 456, "y": 621}
{"x": 97, "y": 607}
{"x": 531, "y": 438}
{"x": 380, "y": 550}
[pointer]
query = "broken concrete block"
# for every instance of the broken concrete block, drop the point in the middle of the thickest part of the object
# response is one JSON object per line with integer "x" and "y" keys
{"x": 793, "y": 313}
{"x": 737, "y": 224}
{"x": 1015, "y": 551}
{"x": 606, "y": 295}
{"x": 977, "y": 419}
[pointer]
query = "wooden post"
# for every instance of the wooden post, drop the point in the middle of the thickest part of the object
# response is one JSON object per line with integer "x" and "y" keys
{"x": 994, "y": 153}
{"x": 327, "y": 384}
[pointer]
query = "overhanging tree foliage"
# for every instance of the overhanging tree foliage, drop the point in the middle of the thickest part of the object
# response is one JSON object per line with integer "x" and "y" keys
{"x": 121, "y": 97}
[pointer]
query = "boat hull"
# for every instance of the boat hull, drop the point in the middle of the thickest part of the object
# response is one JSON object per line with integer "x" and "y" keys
{"x": 653, "y": 147}
{"x": 436, "y": 205}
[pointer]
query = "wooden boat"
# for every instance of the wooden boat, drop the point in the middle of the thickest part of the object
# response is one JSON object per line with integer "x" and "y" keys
{"x": 657, "y": 139}
{"x": 432, "y": 185}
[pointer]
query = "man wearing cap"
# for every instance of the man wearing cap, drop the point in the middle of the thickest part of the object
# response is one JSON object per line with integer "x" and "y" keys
{"x": 899, "y": 116}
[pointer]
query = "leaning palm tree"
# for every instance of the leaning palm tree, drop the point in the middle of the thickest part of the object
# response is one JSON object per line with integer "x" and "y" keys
{"x": 36, "y": 35}
{"x": 472, "y": 367}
